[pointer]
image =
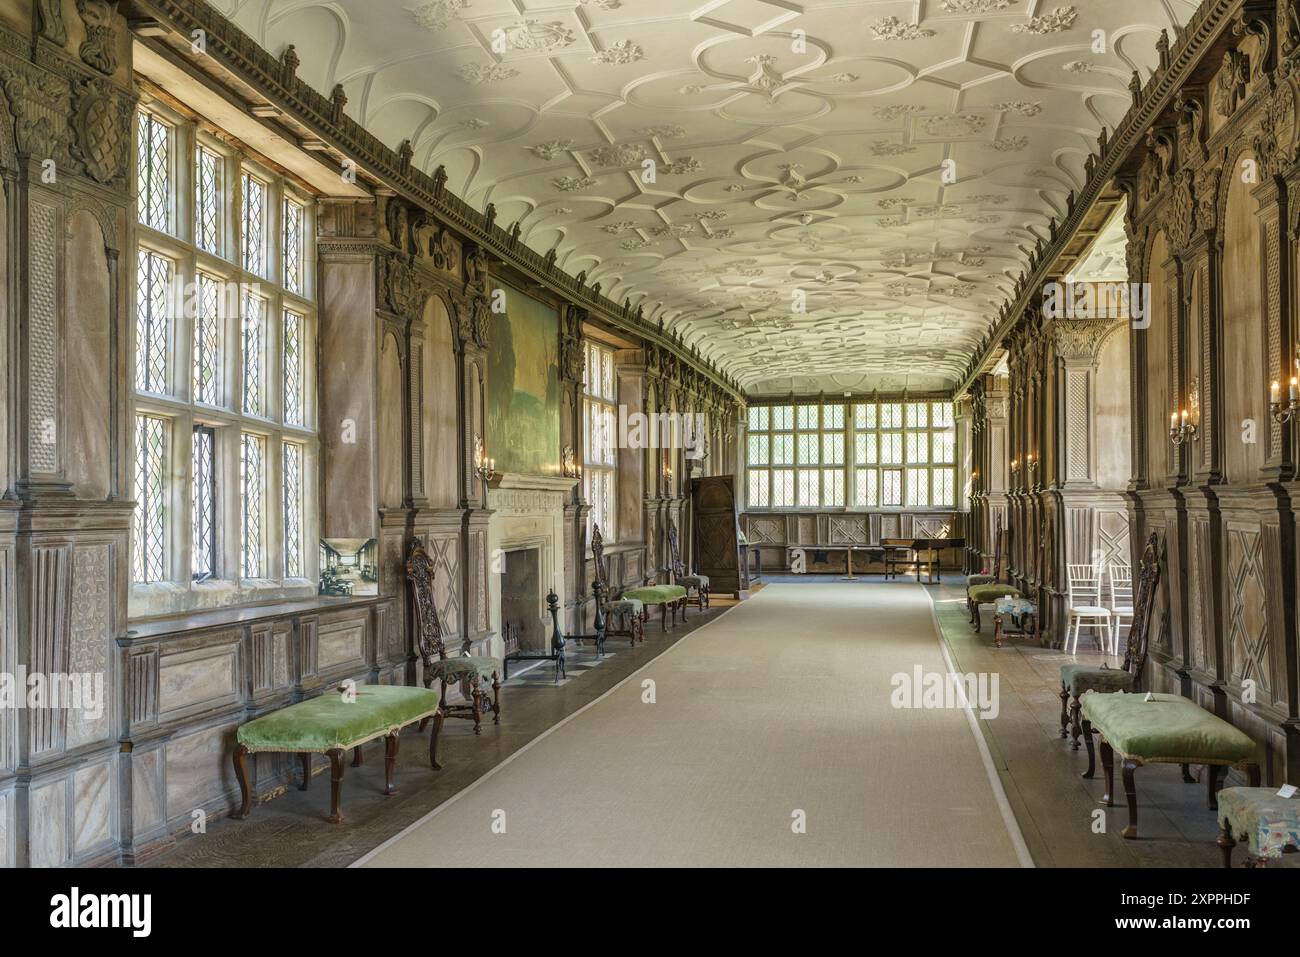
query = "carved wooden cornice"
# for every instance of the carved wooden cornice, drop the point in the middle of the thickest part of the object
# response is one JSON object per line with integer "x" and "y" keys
{"x": 236, "y": 51}
{"x": 1209, "y": 22}
{"x": 1075, "y": 339}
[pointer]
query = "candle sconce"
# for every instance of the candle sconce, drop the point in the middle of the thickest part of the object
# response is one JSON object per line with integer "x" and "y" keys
{"x": 1031, "y": 465}
{"x": 487, "y": 470}
{"x": 1181, "y": 429}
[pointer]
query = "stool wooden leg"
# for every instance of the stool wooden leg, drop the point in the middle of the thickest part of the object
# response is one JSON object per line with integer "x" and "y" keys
{"x": 496, "y": 699}
{"x": 356, "y": 756}
{"x": 1212, "y": 772}
{"x": 1226, "y": 843}
{"x": 390, "y": 762}
{"x": 245, "y": 790}
{"x": 337, "y": 766}
{"x": 1076, "y": 711}
{"x": 477, "y": 695}
{"x": 1108, "y": 768}
{"x": 1130, "y": 792}
{"x": 306, "y": 771}
{"x": 1252, "y": 775}
{"x": 433, "y": 740}
{"x": 1092, "y": 755}
{"x": 1187, "y": 774}
{"x": 1065, "y": 715}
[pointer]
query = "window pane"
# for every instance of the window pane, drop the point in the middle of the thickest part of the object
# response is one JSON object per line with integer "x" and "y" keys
{"x": 207, "y": 341}
{"x": 833, "y": 417}
{"x": 865, "y": 445}
{"x": 833, "y": 487}
{"x": 294, "y": 511}
{"x": 293, "y": 243}
{"x": 809, "y": 488}
{"x": 943, "y": 485}
{"x": 153, "y": 172}
{"x": 782, "y": 488}
{"x": 758, "y": 418}
{"x": 918, "y": 447}
{"x": 252, "y": 483}
{"x": 254, "y": 347}
{"x": 942, "y": 412}
{"x": 891, "y": 448}
{"x": 207, "y": 200}
{"x": 833, "y": 449}
{"x": 152, "y": 322}
{"x": 757, "y": 497}
{"x": 868, "y": 487}
{"x": 918, "y": 415}
{"x": 918, "y": 488}
{"x": 149, "y": 550}
{"x": 293, "y": 369}
{"x": 608, "y": 387}
{"x": 864, "y": 415}
{"x": 759, "y": 449}
{"x": 943, "y": 446}
{"x": 783, "y": 450}
{"x": 807, "y": 417}
{"x": 782, "y": 418}
{"x": 253, "y": 224}
{"x": 891, "y": 488}
{"x": 809, "y": 453}
{"x": 203, "y": 505}
{"x": 891, "y": 415}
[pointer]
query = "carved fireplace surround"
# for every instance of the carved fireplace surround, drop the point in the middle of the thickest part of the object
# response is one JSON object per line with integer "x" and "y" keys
{"x": 527, "y": 513}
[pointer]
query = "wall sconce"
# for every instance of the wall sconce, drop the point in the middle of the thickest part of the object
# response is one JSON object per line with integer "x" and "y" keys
{"x": 1015, "y": 466}
{"x": 1284, "y": 413}
{"x": 487, "y": 468}
{"x": 1181, "y": 429}
{"x": 1031, "y": 464}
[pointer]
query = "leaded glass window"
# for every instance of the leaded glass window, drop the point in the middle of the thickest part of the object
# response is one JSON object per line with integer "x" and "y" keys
{"x": 294, "y": 511}
{"x": 203, "y": 505}
{"x": 207, "y": 200}
{"x": 253, "y": 224}
{"x": 207, "y": 340}
{"x": 254, "y": 354}
{"x": 600, "y": 444}
{"x": 293, "y": 371}
{"x": 149, "y": 546}
{"x": 153, "y": 171}
{"x": 152, "y": 322}
{"x": 252, "y": 484}
{"x": 863, "y": 455}
{"x": 293, "y": 243}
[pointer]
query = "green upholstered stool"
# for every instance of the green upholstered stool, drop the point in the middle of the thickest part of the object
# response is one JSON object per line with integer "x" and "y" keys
{"x": 332, "y": 724}
{"x": 1266, "y": 821}
{"x": 667, "y": 597}
{"x": 986, "y": 594}
{"x": 1078, "y": 680}
{"x": 1161, "y": 729}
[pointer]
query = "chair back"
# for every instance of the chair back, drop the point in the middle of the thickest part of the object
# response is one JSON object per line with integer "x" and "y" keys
{"x": 1085, "y": 585}
{"x": 1121, "y": 584}
{"x": 1135, "y": 651}
{"x": 428, "y": 629}
{"x": 996, "y": 570}
{"x": 598, "y": 554}
{"x": 674, "y": 551}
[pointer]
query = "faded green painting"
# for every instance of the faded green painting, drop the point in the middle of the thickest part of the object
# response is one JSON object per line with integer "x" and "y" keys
{"x": 524, "y": 387}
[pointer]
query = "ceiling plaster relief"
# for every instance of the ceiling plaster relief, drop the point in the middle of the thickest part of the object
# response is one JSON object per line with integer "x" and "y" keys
{"x": 774, "y": 170}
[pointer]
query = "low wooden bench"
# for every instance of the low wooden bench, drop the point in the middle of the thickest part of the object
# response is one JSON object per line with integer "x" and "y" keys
{"x": 333, "y": 724}
{"x": 1266, "y": 821}
{"x": 667, "y": 597}
{"x": 1168, "y": 729}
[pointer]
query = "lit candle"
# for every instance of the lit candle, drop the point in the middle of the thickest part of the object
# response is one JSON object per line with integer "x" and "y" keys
{"x": 492, "y": 465}
{"x": 1294, "y": 390}
{"x": 1184, "y": 416}
{"x": 1173, "y": 418}
{"x": 1274, "y": 393}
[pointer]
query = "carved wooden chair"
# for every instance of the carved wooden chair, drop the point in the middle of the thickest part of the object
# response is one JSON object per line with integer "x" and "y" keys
{"x": 470, "y": 671}
{"x": 985, "y": 589}
{"x": 628, "y": 612}
{"x": 697, "y": 583}
{"x": 1077, "y": 680}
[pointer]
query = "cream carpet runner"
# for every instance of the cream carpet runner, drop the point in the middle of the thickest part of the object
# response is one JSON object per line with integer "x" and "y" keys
{"x": 769, "y": 737}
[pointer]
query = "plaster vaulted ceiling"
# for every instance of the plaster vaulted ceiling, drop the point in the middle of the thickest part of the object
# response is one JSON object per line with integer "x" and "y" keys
{"x": 780, "y": 167}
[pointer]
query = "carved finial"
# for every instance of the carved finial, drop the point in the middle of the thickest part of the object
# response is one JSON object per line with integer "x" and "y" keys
{"x": 515, "y": 230}
{"x": 1162, "y": 48}
{"x": 338, "y": 100}
{"x": 404, "y": 154}
{"x": 489, "y": 215}
{"x": 289, "y": 60}
{"x": 439, "y": 181}
{"x": 1135, "y": 87}
{"x": 550, "y": 258}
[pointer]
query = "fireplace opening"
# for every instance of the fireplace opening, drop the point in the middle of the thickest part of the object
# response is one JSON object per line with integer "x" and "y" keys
{"x": 521, "y": 601}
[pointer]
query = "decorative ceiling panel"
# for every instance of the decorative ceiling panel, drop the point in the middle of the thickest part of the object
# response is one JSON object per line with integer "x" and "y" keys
{"x": 842, "y": 194}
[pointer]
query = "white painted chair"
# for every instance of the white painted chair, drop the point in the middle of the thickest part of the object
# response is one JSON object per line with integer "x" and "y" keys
{"x": 1121, "y": 600}
{"x": 1085, "y": 606}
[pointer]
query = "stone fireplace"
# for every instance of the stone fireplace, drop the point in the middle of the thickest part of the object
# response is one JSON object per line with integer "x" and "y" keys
{"x": 526, "y": 554}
